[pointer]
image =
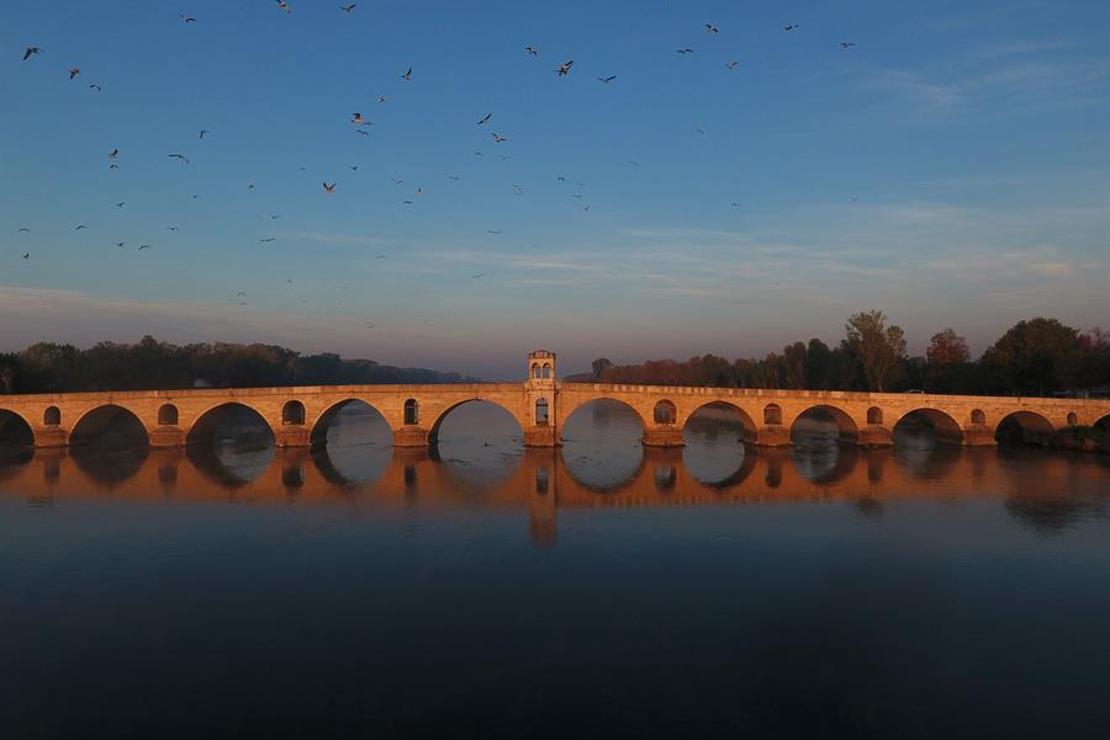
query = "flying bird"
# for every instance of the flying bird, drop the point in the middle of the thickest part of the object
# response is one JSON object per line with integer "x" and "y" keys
{"x": 203, "y": 132}
{"x": 348, "y": 8}
{"x": 23, "y": 230}
{"x": 396, "y": 180}
{"x": 479, "y": 275}
{"x": 143, "y": 246}
{"x": 354, "y": 168}
{"x": 79, "y": 227}
{"x": 121, "y": 204}
{"x": 182, "y": 157}
{"x": 381, "y": 99}
{"x": 847, "y": 44}
{"x": 407, "y": 76}
{"x": 114, "y": 153}
{"x": 94, "y": 86}
{"x": 362, "y": 131}
{"x": 274, "y": 216}
{"x": 282, "y": 5}
{"x": 735, "y": 204}
{"x": 31, "y": 51}
{"x": 710, "y": 28}
{"x": 120, "y": 244}
{"x": 495, "y": 232}
{"x": 790, "y": 27}
{"x": 329, "y": 189}
{"x": 187, "y": 18}
{"x": 485, "y": 119}
{"x": 684, "y": 51}
{"x": 74, "y": 71}
{"x": 268, "y": 239}
{"x": 173, "y": 228}
{"x": 456, "y": 178}
{"x": 607, "y": 80}
{"x": 564, "y": 68}
{"x": 407, "y": 203}
{"x": 498, "y": 138}
{"x": 358, "y": 120}
{"x": 26, "y": 255}
{"x": 531, "y": 51}
{"x": 732, "y": 65}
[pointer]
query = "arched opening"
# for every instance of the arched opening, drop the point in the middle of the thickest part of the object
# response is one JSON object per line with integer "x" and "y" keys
{"x": 924, "y": 429}
{"x": 109, "y": 444}
{"x": 978, "y": 417}
{"x": 480, "y": 442}
{"x": 352, "y": 441}
{"x": 15, "y": 434}
{"x": 874, "y": 415}
{"x": 542, "y": 413}
{"x": 665, "y": 413}
{"x": 715, "y": 454}
{"x": 1103, "y": 424}
{"x": 1025, "y": 428}
{"x": 1073, "y": 419}
{"x": 820, "y": 425}
{"x": 167, "y": 415}
{"x": 546, "y": 370}
{"x": 412, "y": 412}
{"x": 824, "y": 444}
{"x": 231, "y": 444}
{"x": 52, "y": 417}
{"x": 601, "y": 444}
{"x": 293, "y": 413}
{"x": 772, "y": 414}
{"x": 537, "y": 371}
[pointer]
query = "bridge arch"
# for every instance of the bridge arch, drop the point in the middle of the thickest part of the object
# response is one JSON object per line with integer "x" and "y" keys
{"x": 570, "y": 410}
{"x": 946, "y": 428}
{"x": 15, "y": 430}
{"x": 847, "y": 430}
{"x": 110, "y": 425}
{"x": 1026, "y": 427}
{"x": 206, "y": 424}
{"x": 318, "y": 436}
{"x": 434, "y": 430}
{"x": 749, "y": 430}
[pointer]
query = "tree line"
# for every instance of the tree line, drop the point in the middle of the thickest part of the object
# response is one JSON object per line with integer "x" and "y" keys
{"x": 151, "y": 364}
{"x": 1037, "y": 357}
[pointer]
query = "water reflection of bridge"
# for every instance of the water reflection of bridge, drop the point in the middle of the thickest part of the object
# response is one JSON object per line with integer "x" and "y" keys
{"x": 543, "y": 482}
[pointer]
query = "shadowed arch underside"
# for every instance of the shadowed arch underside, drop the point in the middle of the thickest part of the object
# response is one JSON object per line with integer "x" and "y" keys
{"x": 234, "y": 422}
{"x": 1025, "y": 427}
{"x": 318, "y": 437}
{"x": 946, "y": 429}
{"x": 748, "y": 431}
{"x": 846, "y": 430}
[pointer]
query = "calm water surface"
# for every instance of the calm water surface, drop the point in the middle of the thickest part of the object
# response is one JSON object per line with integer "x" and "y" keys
{"x": 482, "y": 590}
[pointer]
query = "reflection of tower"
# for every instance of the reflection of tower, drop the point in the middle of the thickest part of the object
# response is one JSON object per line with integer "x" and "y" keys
{"x": 542, "y": 428}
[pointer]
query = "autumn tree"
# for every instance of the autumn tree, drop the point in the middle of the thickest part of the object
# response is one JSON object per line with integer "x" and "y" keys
{"x": 947, "y": 348}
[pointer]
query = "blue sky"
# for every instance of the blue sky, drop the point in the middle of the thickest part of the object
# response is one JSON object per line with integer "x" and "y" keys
{"x": 951, "y": 169}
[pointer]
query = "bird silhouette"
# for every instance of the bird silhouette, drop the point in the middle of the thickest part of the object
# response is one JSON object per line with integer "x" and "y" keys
{"x": 358, "y": 120}
{"x": 485, "y": 119}
{"x": 203, "y": 132}
{"x": 23, "y": 230}
{"x": 348, "y": 8}
{"x": 684, "y": 51}
{"x": 31, "y": 51}
{"x": 329, "y": 189}
{"x": 26, "y": 255}
{"x": 79, "y": 227}
{"x": 143, "y": 246}
{"x": 268, "y": 239}
{"x": 498, "y": 138}
{"x": 732, "y": 65}
{"x": 187, "y": 18}
{"x": 847, "y": 45}
{"x": 114, "y": 153}
{"x": 96, "y": 87}
{"x": 564, "y": 68}
{"x": 531, "y": 51}
{"x": 790, "y": 27}
{"x": 120, "y": 204}
{"x": 710, "y": 28}
{"x": 608, "y": 79}
{"x": 407, "y": 76}
{"x": 182, "y": 157}
{"x": 74, "y": 71}
{"x": 120, "y": 244}
{"x": 282, "y": 5}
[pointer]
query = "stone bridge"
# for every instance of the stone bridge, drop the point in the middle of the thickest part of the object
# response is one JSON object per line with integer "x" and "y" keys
{"x": 300, "y": 416}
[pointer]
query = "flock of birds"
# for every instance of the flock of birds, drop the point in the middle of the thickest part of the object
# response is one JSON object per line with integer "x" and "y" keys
{"x": 362, "y": 125}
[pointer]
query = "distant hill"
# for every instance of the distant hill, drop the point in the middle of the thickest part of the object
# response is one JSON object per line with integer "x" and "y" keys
{"x": 150, "y": 364}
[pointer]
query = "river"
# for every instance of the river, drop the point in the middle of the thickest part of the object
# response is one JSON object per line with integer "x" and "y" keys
{"x": 483, "y": 590}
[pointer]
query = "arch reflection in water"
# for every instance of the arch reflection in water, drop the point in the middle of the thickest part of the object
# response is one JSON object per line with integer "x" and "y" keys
{"x": 353, "y": 441}
{"x": 232, "y": 443}
{"x": 601, "y": 444}
{"x": 479, "y": 443}
{"x": 715, "y": 453}
{"x": 109, "y": 443}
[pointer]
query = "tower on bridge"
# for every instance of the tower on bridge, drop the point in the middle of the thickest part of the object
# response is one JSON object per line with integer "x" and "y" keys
{"x": 542, "y": 429}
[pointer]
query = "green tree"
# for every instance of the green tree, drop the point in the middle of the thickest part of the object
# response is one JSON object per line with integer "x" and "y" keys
{"x": 878, "y": 348}
{"x": 1035, "y": 357}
